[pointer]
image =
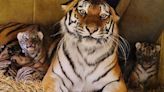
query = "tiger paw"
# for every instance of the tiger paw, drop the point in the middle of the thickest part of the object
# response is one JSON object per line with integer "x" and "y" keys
{"x": 20, "y": 60}
{"x": 4, "y": 54}
{"x": 4, "y": 65}
{"x": 28, "y": 74}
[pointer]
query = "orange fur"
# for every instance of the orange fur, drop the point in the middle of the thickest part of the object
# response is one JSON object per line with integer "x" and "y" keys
{"x": 91, "y": 20}
{"x": 8, "y": 32}
{"x": 49, "y": 80}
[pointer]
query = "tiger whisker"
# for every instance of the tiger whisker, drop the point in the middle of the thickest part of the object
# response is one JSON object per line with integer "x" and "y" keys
{"x": 56, "y": 34}
{"x": 122, "y": 47}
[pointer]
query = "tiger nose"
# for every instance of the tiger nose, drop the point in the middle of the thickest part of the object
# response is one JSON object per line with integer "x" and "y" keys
{"x": 92, "y": 29}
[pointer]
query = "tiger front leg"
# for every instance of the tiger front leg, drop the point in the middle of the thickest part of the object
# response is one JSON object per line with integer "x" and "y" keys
{"x": 48, "y": 84}
{"x": 25, "y": 74}
{"x": 53, "y": 83}
{"x": 4, "y": 65}
{"x": 21, "y": 60}
{"x": 117, "y": 86}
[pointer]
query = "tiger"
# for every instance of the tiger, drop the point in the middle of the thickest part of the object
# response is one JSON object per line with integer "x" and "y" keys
{"x": 144, "y": 76}
{"x": 11, "y": 58}
{"x": 32, "y": 45}
{"x": 86, "y": 58}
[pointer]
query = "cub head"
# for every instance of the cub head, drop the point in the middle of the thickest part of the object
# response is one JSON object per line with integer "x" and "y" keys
{"x": 90, "y": 20}
{"x": 30, "y": 41}
{"x": 147, "y": 53}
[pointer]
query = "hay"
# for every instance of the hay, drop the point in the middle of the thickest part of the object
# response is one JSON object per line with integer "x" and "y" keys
{"x": 8, "y": 84}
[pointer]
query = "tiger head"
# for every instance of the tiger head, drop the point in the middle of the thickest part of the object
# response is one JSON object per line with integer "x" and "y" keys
{"x": 90, "y": 20}
{"x": 30, "y": 41}
{"x": 147, "y": 53}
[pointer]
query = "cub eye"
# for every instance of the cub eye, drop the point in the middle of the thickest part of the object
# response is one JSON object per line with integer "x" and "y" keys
{"x": 25, "y": 38}
{"x": 34, "y": 37}
{"x": 82, "y": 12}
{"x": 104, "y": 16}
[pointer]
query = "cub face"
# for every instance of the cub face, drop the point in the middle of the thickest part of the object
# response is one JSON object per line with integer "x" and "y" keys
{"x": 30, "y": 42}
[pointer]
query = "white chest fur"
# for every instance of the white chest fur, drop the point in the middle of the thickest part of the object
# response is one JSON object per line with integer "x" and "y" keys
{"x": 84, "y": 65}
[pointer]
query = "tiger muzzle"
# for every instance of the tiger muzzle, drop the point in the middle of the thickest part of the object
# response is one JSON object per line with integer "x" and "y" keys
{"x": 91, "y": 29}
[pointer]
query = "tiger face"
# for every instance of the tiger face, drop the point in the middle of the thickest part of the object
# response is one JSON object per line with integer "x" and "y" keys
{"x": 30, "y": 42}
{"x": 147, "y": 53}
{"x": 91, "y": 20}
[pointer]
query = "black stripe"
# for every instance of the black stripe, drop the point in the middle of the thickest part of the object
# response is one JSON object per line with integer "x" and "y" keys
{"x": 109, "y": 26}
{"x": 20, "y": 27}
{"x": 153, "y": 64}
{"x": 61, "y": 89}
{"x": 81, "y": 55}
{"x": 100, "y": 59}
{"x": 106, "y": 55}
{"x": 94, "y": 70}
{"x": 70, "y": 61}
{"x": 7, "y": 26}
{"x": 97, "y": 65}
{"x": 103, "y": 57}
{"x": 137, "y": 74}
{"x": 68, "y": 29}
{"x": 112, "y": 29}
{"x": 139, "y": 69}
{"x": 152, "y": 71}
{"x": 110, "y": 83}
{"x": 60, "y": 78}
{"x": 11, "y": 41}
{"x": 102, "y": 76}
{"x": 70, "y": 21}
{"x": 66, "y": 16}
{"x": 152, "y": 75}
{"x": 65, "y": 72}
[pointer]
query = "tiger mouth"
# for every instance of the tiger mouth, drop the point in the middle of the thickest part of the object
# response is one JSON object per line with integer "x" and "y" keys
{"x": 89, "y": 37}
{"x": 31, "y": 48}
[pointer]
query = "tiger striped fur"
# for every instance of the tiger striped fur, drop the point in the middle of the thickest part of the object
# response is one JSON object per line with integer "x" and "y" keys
{"x": 145, "y": 73}
{"x": 34, "y": 48}
{"x": 86, "y": 59}
{"x": 9, "y": 31}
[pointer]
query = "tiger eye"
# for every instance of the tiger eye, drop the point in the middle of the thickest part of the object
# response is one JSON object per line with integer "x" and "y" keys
{"x": 103, "y": 16}
{"x": 82, "y": 12}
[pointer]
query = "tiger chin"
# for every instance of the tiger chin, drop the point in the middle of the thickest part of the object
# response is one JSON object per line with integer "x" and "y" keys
{"x": 86, "y": 59}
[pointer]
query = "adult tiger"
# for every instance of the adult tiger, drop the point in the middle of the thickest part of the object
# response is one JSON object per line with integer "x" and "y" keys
{"x": 86, "y": 58}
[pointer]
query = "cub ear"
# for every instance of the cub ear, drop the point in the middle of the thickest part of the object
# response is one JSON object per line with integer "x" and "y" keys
{"x": 116, "y": 18}
{"x": 69, "y": 5}
{"x": 158, "y": 48}
{"x": 138, "y": 45}
{"x": 40, "y": 34}
{"x": 19, "y": 36}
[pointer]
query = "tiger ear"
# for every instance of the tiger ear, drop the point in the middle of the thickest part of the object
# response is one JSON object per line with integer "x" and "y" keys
{"x": 158, "y": 48}
{"x": 40, "y": 34}
{"x": 115, "y": 16}
{"x": 69, "y": 5}
{"x": 19, "y": 36}
{"x": 138, "y": 45}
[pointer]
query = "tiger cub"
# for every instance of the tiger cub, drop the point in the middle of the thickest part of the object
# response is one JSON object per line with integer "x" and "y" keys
{"x": 31, "y": 43}
{"x": 144, "y": 76}
{"x": 86, "y": 59}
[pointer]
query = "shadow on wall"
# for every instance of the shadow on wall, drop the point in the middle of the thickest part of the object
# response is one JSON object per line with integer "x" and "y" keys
{"x": 143, "y": 20}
